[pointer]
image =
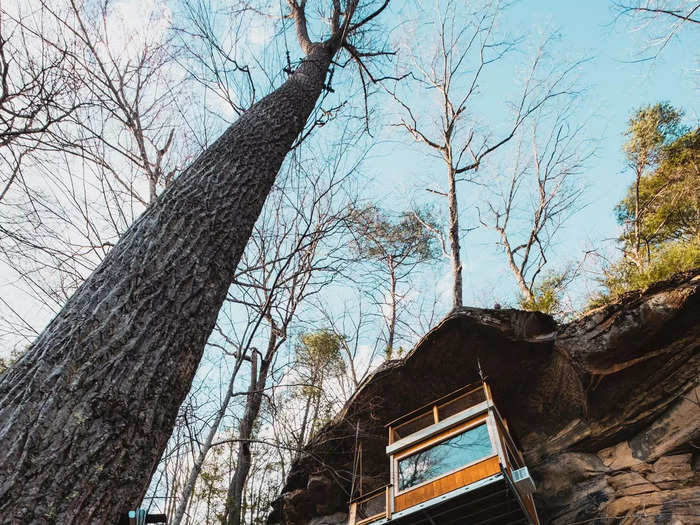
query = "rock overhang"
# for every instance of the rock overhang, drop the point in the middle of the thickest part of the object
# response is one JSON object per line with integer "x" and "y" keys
{"x": 575, "y": 388}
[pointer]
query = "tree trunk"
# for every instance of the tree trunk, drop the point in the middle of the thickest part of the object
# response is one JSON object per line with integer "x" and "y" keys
{"x": 637, "y": 234}
{"x": 86, "y": 413}
{"x": 455, "y": 258}
{"x": 517, "y": 271}
{"x": 520, "y": 280}
{"x": 392, "y": 315}
{"x": 193, "y": 475}
{"x": 301, "y": 438}
{"x": 234, "y": 497}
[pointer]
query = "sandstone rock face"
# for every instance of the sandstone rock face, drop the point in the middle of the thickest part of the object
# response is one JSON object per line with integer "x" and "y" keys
{"x": 606, "y": 409}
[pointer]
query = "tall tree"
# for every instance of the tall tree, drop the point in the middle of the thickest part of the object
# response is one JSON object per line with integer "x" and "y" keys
{"x": 86, "y": 412}
{"x": 672, "y": 193}
{"x": 540, "y": 193}
{"x": 669, "y": 227}
{"x": 318, "y": 359}
{"x": 292, "y": 256}
{"x": 650, "y": 130}
{"x": 397, "y": 247}
{"x": 279, "y": 268}
{"x": 465, "y": 46}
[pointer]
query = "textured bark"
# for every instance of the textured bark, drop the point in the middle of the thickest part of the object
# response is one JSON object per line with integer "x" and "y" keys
{"x": 86, "y": 412}
{"x": 455, "y": 257}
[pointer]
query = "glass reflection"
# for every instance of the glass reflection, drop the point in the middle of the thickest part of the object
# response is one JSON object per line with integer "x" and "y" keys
{"x": 444, "y": 457}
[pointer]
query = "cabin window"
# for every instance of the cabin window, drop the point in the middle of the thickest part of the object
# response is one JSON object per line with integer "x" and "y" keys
{"x": 445, "y": 457}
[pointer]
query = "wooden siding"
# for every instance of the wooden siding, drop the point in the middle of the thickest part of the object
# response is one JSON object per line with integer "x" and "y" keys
{"x": 445, "y": 484}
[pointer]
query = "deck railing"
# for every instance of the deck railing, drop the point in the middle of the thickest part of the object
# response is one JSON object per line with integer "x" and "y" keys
{"x": 451, "y": 421}
{"x": 370, "y": 507}
{"x": 439, "y": 410}
{"x": 513, "y": 458}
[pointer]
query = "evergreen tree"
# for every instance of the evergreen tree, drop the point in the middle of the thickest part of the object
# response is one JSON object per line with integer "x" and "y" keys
{"x": 651, "y": 129}
{"x": 660, "y": 214}
{"x": 397, "y": 248}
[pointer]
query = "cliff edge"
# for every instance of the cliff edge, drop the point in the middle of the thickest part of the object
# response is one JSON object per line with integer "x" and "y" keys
{"x": 606, "y": 409}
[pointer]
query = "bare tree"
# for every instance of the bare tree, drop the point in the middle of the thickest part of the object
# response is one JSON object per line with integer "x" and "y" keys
{"x": 182, "y": 498}
{"x": 93, "y": 174}
{"x": 212, "y": 50}
{"x": 293, "y": 256}
{"x": 36, "y": 96}
{"x": 543, "y": 190}
{"x": 294, "y": 252}
{"x": 661, "y": 19}
{"x": 360, "y": 345}
{"x": 94, "y": 399}
{"x": 465, "y": 45}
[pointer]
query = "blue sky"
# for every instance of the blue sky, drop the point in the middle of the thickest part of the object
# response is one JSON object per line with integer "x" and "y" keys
{"x": 616, "y": 83}
{"x": 399, "y": 169}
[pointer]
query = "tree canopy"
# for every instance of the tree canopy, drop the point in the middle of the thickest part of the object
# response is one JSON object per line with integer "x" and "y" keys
{"x": 660, "y": 215}
{"x": 670, "y": 194}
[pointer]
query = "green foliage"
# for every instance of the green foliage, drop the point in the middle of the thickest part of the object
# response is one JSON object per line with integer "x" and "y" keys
{"x": 211, "y": 488}
{"x": 669, "y": 196}
{"x": 393, "y": 353}
{"x": 318, "y": 356}
{"x": 547, "y": 295}
{"x": 649, "y": 130}
{"x": 673, "y": 192}
{"x": 666, "y": 260}
{"x": 667, "y": 159}
{"x": 407, "y": 239}
{"x": 320, "y": 352}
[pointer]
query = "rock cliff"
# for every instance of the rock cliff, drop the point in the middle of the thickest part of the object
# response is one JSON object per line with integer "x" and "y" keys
{"x": 606, "y": 409}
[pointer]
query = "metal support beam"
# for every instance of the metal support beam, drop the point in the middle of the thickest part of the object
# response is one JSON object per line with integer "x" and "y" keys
{"x": 516, "y": 495}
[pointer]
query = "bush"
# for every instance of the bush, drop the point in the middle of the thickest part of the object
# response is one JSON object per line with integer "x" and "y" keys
{"x": 665, "y": 261}
{"x": 547, "y": 295}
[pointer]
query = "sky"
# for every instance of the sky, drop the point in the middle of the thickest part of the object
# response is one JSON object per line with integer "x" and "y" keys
{"x": 397, "y": 170}
{"x": 616, "y": 82}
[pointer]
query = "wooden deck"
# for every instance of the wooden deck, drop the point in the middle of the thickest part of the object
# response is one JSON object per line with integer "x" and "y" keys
{"x": 432, "y": 483}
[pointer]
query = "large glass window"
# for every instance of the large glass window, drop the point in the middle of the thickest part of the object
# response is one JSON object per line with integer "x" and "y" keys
{"x": 446, "y": 456}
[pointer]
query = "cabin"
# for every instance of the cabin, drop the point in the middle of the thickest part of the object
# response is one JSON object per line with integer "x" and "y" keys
{"x": 451, "y": 461}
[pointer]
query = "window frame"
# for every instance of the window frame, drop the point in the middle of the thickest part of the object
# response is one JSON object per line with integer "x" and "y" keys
{"x": 455, "y": 431}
